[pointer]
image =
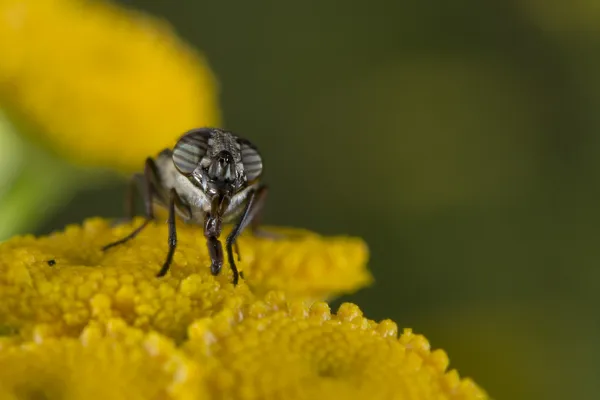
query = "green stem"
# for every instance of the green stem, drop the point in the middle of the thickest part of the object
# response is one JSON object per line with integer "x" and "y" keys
{"x": 34, "y": 182}
{"x": 38, "y": 190}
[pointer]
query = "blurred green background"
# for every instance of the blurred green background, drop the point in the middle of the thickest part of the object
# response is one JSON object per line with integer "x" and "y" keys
{"x": 460, "y": 139}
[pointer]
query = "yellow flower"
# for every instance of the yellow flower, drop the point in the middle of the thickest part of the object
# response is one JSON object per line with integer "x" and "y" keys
{"x": 101, "y": 85}
{"x": 272, "y": 350}
{"x": 117, "y": 362}
{"x": 287, "y": 350}
{"x": 79, "y": 323}
{"x": 87, "y": 284}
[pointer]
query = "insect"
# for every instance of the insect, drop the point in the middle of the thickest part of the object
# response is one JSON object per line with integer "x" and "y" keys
{"x": 209, "y": 178}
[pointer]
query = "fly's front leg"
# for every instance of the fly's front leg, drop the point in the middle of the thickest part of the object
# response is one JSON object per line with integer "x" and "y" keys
{"x": 215, "y": 250}
{"x": 255, "y": 216}
{"x": 172, "y": 240}
{"x": 137, "y": 183}
{"x": 253, "y": 205}
{"x": 212, "y": 231}
{"x": 150, "y": 181}
{"x": 236, "y": 248}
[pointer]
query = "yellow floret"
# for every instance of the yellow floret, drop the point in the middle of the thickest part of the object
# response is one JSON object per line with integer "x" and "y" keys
{"x": 94, "y": 325}
{"x": 288, "y": 350}
{"x": 101, "y": 85}
{"x": 116, "y": 362}
{"x": 86, "y": 284}
{"x": 273, "y": 349}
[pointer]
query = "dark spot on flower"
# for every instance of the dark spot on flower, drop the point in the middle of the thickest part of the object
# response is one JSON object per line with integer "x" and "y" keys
{"x": 35, "y": 393}
{"x": 51, "y": 262}
{"x": 8, "y": 330}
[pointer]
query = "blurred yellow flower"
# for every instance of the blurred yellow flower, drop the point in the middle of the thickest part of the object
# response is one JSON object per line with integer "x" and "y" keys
{"x": 86, "y": 284}
{"x": 101, "y": 85}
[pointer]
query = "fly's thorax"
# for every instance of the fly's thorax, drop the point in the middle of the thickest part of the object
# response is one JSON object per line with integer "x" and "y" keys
{"x": 201, "y": 203}
{"x": 171, "y": 178}
{"x": 190, "y": 193}
{"x": 166, "y": 170}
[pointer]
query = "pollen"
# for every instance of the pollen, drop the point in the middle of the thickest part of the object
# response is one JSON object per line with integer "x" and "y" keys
{"x": 127, "y": 86}
{"x": 86, "y": 284}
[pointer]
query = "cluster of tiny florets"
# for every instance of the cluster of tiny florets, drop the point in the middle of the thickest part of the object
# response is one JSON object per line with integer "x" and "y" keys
{"x": 96, "y": 324}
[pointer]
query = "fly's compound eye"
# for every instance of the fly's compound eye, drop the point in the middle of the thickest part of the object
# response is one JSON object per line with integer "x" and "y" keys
{"x": 251, "y": 160}
{"x": 190, "y": 149}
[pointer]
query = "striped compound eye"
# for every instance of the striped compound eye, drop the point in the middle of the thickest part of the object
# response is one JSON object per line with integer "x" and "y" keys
{"x": 251, "y": 160}
{"x": 190, "y": 149}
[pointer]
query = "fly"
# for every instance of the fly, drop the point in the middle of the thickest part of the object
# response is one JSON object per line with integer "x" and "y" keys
{"x": 209, "y": 178}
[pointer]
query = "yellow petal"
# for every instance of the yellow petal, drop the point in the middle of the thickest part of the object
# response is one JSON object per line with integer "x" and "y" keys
{"x": 100, "y": 84}
{"x": 191, "y": 335}
{"x": 86, "y": 284}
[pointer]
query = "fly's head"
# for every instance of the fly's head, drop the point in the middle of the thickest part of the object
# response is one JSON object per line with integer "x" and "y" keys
{"x": 218, "y": 163}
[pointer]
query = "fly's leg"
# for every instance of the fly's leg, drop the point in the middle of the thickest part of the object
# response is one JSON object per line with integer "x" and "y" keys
{"x": 135, "y": 183}
{"x": 253, "y": 205}
{"x": 236, "y": 248}
{"x": 256, "y": 215}
{"x": 173, "y": 201}
{"x": 212, "y": 231}
{"x": 255, "y": 219}
{"x": 128, "y": 237}
{"x": 150, "y": 182}
{"x": 215, "y": 251}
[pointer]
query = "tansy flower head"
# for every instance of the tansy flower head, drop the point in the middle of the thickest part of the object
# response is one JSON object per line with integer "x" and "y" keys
{"x": 271, "y": 350}
{"x": 109, "y": 362}
{"x": 83, "y": 283}
{"x": 288, "y": 350}
{"x": 80, "y": 323}
{"x": 101, "y": 85}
